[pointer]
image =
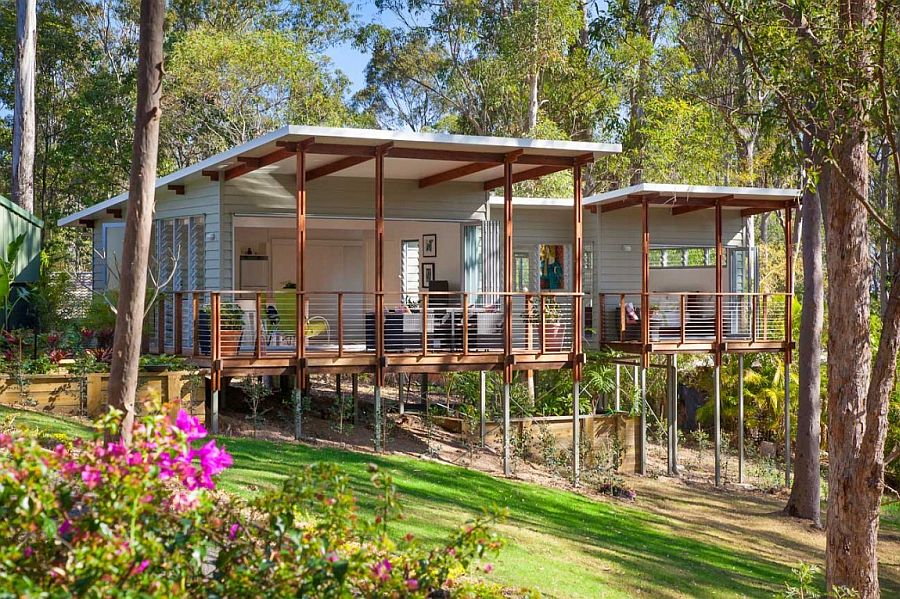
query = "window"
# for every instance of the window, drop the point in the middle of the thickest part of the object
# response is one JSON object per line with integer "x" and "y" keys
{"x": 472, "y": 258}
{"x": 521, "y": 271}
{"x": 409, "y": 270}
{"x": 684, "y": 257}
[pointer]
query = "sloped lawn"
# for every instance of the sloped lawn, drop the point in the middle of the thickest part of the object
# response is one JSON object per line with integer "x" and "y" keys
{"x": 558, "y": 542}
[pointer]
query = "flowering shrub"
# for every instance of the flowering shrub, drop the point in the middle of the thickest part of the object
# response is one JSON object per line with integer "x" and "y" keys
{"x": 101, "y": 518}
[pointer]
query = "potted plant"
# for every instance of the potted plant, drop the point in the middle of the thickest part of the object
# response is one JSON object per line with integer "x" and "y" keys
{"x": 231, "y": 326}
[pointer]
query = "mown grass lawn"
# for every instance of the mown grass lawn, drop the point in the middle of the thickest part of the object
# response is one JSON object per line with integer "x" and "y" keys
{"x": 559, "y": 543}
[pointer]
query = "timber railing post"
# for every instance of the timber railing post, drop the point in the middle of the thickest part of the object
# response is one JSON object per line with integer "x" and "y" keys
{"x": 258, "y": 325}
{"x": 465, "y": 324}
{"x": 424, "y": 323}
{"x": 177, "y": 326}
{"x": 195, "y": 324}
{"x": 340, "y": 323}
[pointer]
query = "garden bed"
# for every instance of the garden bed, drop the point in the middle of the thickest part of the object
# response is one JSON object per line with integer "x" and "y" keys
{"x": 86, "y": 395}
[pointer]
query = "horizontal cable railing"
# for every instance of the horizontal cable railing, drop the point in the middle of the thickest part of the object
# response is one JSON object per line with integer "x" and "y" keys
{"x": 257, "y": 324}
{"x": 683, "y": 317}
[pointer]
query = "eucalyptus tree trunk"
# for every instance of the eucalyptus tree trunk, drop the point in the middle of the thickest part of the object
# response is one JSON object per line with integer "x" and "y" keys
{"x": 23, "y": 116}
{"x": 805, "y": 494}
{"x": 858, "y": 391}
{"x": 123, "y": 377}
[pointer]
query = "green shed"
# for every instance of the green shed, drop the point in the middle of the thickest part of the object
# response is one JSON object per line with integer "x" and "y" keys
{"x": 15, "y": 221}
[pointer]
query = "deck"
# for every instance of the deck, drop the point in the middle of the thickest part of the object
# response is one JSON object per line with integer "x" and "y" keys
{"x": 694, "y": 322}
{"x": 256, "y": 332}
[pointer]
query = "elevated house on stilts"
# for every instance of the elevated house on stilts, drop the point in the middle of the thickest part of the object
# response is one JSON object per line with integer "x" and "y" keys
{"x": 347, "y": 251}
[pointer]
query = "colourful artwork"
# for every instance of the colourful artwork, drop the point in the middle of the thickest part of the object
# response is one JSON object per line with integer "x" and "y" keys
{"x": 552, "y": 277}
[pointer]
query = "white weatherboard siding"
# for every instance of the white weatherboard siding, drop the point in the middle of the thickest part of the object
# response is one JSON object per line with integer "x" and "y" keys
{"x": 620, "y": 270}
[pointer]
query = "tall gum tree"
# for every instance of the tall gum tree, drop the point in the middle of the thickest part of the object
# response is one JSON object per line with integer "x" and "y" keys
{"x": 843, "y": 44}
{"x": 23, "y": 116}
{"x": 123, "y": 376}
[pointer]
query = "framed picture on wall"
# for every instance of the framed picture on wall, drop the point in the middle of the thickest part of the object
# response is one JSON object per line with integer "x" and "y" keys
{"x": 429, "y": 245}
{"x": 427, "y": 274}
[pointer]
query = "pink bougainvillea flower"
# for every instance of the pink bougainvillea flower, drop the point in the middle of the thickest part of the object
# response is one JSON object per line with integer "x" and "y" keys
{"x": 488, "y": 568}
{"x": 214, "y": 459}
{"x": 382, "y": 570}
{"x": 65, "y": 528}
{"x": 138, "y": 568}
{"x": 190, "y": 426}
{"x": 185, "y": 500}
{"x": 233, "y": 531}
{"x": 412, "y": 584}
{"x": 91, "y": 476}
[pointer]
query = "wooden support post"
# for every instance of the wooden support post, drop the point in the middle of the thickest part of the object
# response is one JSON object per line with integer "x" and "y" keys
{"x": 507, "y": 305}
{"x": 719, "y": 287}
{"x": 741, "y": 418}
{"x": 507, "y": 466}
{"x": 670, "y": 415}
{"x": 674, "y": 433}
{"x": 214, "y": 382}
{"x": 643, "y": 393}
{"x": 378, "y": 431}
{"x": 577, "y": 316}
{"x": 379, "y": 295}
{"x": 300, "y": 373}
{"x": 215, "y": 354}
{"x": 354, "y": 393}
{"x": 482, "y": 405}
{"x": 645, "y": 278}
{"x": 298, "y": 408}
{"x": 717, "y": 417}
{"x": 576, "y": 432}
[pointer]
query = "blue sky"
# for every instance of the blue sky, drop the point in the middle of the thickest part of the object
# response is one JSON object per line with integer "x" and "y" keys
{"x": 350, "y": 60}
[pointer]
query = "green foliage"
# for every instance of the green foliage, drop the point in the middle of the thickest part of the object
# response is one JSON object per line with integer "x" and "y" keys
{"x": 8, "y": 299}
{"x": 763, "y": 394}
{"x": 231, "y": 316}
{"x": 101, "y": 519}
{"x": 164, "y": 362}
{"x": 226, "y": 87}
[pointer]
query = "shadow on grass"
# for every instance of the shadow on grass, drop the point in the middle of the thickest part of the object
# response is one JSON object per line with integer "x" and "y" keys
{"x": 633, "y": 540}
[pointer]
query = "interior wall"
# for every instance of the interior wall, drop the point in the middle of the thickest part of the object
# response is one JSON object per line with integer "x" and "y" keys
{"x": 334, "y": 232}
{"x": 686, "y": 279}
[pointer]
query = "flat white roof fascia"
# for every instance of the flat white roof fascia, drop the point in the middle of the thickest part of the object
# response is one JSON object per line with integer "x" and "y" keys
{"x": 679, "y": 190}
{"x": 374, "y": 136}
